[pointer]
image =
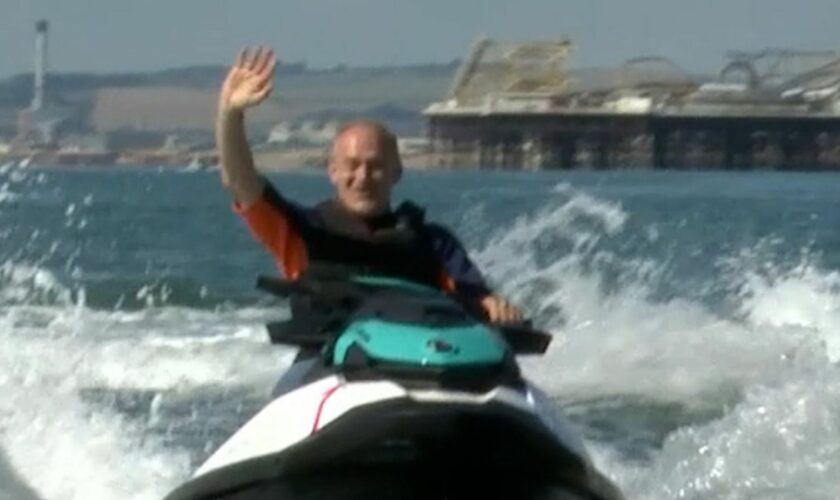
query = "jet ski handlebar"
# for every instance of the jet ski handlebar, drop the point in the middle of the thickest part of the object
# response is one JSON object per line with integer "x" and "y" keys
{"x": 523, "y": 338}
{"x": 346, "y": 295}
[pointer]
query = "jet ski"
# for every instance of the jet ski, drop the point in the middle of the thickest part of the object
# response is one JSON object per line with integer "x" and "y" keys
{"x": 400, "y": 392}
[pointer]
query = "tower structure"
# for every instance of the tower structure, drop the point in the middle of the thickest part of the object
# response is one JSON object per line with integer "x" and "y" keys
{"x": 40, "y": 68}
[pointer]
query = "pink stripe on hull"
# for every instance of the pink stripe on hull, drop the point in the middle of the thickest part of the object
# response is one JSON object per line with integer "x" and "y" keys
{"x": 324, "y": 399}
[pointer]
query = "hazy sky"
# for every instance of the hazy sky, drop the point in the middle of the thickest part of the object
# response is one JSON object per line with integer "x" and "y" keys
{"x": 121, "y": 35}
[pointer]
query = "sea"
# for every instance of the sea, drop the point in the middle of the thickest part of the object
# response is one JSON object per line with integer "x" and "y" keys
{"x": 696, "y": 321}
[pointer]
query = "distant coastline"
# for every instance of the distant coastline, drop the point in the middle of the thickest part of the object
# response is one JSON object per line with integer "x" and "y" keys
{"x": 648, "y": 112}
{"x": 298, "y": 158}
{"x": 166, "y": 118}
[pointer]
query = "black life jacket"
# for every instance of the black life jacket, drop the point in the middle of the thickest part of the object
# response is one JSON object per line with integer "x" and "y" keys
{"x": 399, "y": 245}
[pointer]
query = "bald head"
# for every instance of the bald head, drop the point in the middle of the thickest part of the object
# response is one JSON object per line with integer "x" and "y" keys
{"x": 371, "y": 130}
{"x": 364, "y": 165}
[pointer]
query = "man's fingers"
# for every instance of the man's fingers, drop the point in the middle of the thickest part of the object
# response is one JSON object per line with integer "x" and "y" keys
{"x": 264, "y": 62}
{"x": 259, "y": 60}
{"x": 509, "y": 312}
{"x": 266, "y": 77}
{"x": 516, "y": 313}
{"x": 268, "y": 71}
{"x": 493, "y": 308}
{"x": 499, "y": 310}
{"x": 493, "y": 312}
{"x": 504, "y": 313}
{"x": 251, "y": 62}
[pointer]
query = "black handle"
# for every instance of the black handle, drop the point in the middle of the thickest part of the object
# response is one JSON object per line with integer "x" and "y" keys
{"x": 289, "y": 333}
{"x": 524, "y": 339}
{"x": 278, "y": 287}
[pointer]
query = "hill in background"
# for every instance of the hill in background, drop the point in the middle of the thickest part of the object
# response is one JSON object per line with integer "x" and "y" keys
{"x": 184, "y": 98}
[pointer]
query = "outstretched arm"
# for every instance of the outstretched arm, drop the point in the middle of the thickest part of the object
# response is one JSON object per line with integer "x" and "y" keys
{"x": 249, "y": 81}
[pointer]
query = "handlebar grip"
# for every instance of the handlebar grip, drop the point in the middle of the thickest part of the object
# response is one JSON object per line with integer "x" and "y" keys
{"x": 523, "y": 339}
{"x": 279, "y": 287}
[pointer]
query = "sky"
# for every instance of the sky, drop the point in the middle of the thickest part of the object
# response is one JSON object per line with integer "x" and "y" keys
{"x": 122, "y": 35}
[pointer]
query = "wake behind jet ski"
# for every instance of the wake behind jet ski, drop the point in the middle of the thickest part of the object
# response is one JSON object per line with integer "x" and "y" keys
{"x": 403, "y": 394}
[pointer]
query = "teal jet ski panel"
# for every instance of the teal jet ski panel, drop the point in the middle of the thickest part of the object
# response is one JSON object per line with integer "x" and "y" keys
{"x": 417, "y": 344}
{"x": 385, "y": 281}
{"x": 402, "y": 323}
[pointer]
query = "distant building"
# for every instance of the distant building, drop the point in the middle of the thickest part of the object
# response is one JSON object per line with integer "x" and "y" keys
{"x": 413, "y": 145}
{"x": 129, "y": 139}
{"x": 88, "y": 143}
{"x": 167, "y": 109}
{"x": 44, "y": 126}
{"x": 44, "y": 121}
{"x": 307, "y": 132}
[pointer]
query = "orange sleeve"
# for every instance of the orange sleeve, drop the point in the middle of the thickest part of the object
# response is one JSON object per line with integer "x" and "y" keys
{"x": 448, "y": 284}
{"x": 272, "y": 228}
{"x": 445, "y": 282}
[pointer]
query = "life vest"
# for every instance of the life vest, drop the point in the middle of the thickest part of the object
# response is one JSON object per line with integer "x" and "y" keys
{"x": 398, "y": 246}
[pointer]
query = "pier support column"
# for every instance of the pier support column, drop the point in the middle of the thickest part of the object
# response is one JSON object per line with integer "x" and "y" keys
{"x": 737, "y": 149}
{"x": 475, "y": 153}
{"x": 512, "y": 157}
{"x": 552, "y": 152}
{"x": 679, "y": 144}
{"x": 659, "y": 151}
{"x": 487, "y": 153}
{"x": 568, "y": 151}
{"x": 449, "y": 149}
{"x": 443, "y": 146}
{"x": 534, "y": 153}
{"x": 811, "y": 151}
{"x": 603, "y": 149}
{"x": 498, "y": 155}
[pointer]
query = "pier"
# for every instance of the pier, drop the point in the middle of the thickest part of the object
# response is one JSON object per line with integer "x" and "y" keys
{"x": 518, "y": 107}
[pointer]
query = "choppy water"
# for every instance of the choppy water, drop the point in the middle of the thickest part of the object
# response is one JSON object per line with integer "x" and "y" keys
{"x": 697, "y": 322}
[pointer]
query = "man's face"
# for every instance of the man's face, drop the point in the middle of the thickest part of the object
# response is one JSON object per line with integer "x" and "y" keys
{"x": 362, "y": 171}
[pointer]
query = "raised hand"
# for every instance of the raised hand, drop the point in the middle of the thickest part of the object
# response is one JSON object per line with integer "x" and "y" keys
{"x": 249, "y": 81}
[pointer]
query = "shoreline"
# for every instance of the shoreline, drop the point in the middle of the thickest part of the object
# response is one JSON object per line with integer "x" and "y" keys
{"x": 315, "y": 159}
{"x": 304, "y": 158}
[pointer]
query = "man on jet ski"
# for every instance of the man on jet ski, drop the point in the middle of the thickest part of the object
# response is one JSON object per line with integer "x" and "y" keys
{"x": 358, "y": 227}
